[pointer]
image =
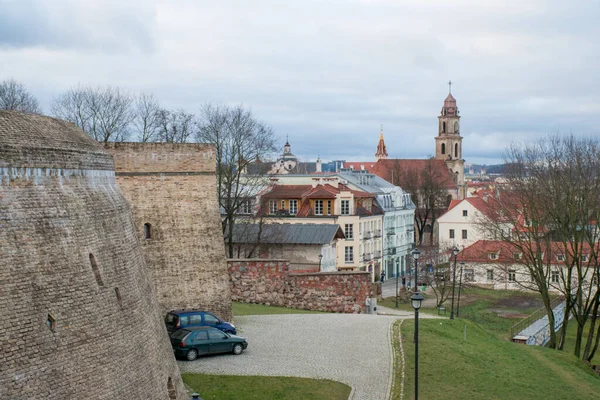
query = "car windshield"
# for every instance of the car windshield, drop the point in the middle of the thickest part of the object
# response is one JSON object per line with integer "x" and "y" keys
{"x": 171, "y": 319}
{"x": 180, "y": 334}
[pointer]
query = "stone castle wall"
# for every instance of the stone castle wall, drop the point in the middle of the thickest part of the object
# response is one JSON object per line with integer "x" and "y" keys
{"x": 172, "y": 188}
{"x": 80, "y": 317}
{"x": 270, "y": 282}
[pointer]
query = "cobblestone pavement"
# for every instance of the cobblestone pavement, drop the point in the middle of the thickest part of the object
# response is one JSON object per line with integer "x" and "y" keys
{"x": 349, "y": 348}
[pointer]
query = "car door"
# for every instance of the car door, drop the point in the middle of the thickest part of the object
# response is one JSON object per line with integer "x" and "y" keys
{"x": 211, "y": 320}
{"x": 201, "y": 342}
{"x": 219, "y": 341}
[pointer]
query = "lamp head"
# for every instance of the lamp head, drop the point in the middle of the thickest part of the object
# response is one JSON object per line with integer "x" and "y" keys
{"x": 455, "y": 251}
{"x": 415, "y": 253}
{"x": 416, "y": 300}
{"x": 320, "y": 256}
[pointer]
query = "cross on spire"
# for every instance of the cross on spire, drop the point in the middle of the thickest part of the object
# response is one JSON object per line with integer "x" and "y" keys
{"x": 449, "y": 87}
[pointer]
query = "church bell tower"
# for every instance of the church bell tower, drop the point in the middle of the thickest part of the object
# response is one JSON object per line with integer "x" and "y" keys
{"x": 448, "y": 143}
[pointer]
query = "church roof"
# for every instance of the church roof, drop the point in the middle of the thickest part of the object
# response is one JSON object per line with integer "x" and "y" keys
{"x": 397, "y": 170}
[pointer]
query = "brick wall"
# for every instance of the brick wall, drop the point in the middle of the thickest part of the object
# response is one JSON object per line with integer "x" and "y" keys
{"x": 172, "y": 187}
{"x": 80, "y": 318}
{"x": 270, "y": 282}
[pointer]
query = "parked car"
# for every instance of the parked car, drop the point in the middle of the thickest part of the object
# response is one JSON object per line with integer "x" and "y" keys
{"x": 191, "y": 342}
{"x": 178, "y": 319}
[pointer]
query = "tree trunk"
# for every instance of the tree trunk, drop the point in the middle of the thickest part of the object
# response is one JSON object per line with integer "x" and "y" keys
{"x": 593, "y": 352}
{"x": 550, "y": 313}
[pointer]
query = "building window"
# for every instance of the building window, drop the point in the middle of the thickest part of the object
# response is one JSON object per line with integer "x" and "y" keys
{"x": 512, "y": 275}
{"x": 560, "y": 257}
{"x": 443, "y": 148}
{"x": 318, "y": 207}
{"x": 490, "y": 275}
{"x": 443, "y": 131}
{"x": 272, "y": 206}
{"x": 345, "y": 207}
{"x": 349, "y": 231}
{"x": 584, "y": 258}
{"x": 465, "y": 213}
{"x": 282, "y": 207}
{"x": 293, "y": 207}
{"x": 328, "y": 207}
{"x": 469, "y": 275}
{"x": 451, "y": 233}
{"x": 349, "y": 254}
{"x": 246, "y": 206}
{"x": 51, "y": 323}
{"x": 456, "y": 150}
{"x": 96, "y": 270}
{"x": 554, "y": 277}
{"x": 517, "y": 256}
{"x": 464, "y": 233}
{"x": 147, "y": 231}
{"x": 493, "y": 256}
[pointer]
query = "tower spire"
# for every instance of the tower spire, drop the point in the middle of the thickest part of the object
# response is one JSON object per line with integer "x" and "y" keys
{"x": 449, "y": 87}
{"x": 381, "y": 150}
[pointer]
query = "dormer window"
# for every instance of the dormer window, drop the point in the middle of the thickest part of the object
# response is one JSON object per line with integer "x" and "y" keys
{"x": 493, "y": 256}
{"x": 584, "y": 258}
{"x": 560, "y": 257}
{"x": 517, "y": 256}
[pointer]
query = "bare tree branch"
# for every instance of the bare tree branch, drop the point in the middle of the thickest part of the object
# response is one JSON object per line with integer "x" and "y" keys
{"x": 14, "y": 96}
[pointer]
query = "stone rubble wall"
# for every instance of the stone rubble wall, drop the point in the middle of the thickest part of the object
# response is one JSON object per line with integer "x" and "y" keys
{"x": 173, "y": 188}
{"x": 270, "y": 282}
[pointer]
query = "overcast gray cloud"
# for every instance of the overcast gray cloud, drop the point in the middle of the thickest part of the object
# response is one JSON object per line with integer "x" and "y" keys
{"x": 328, "y": 73}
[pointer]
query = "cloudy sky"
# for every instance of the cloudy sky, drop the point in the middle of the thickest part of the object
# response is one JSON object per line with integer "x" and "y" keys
{"x": 328, "y": 73}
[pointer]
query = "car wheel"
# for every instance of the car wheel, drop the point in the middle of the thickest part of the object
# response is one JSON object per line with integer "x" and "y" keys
{"x": 191, "y": 355}
{"x": 237, "y": 349}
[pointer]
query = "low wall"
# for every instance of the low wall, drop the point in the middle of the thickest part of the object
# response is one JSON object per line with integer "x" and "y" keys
{"x": 271, "y": 282}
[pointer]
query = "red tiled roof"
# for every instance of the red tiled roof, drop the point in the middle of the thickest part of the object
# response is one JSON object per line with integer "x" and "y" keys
{"x": 307, "y": 191}
{"x": 287, "y": 191}
{"x": 385, "y": 168}
{"x": 360, "y": 165}
{"x": 322, "y": 192}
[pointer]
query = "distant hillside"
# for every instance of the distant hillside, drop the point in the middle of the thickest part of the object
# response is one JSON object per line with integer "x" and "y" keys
{"x": 490, "y": 169}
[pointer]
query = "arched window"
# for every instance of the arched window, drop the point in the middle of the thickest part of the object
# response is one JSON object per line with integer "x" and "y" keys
{"x": 443, "y": 148}
{"x": 96, "y": 270}
{"x": 443, "y": 127}
{"x": 456, "y": 149}
{"x": 147, "y": 231}
{"x": 456, "y": 127}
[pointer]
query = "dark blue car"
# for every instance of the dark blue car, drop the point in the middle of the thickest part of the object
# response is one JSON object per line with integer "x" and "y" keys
{"x": 179, "y": 319}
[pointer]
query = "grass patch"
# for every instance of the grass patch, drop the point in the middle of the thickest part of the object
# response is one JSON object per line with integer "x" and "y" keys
{"x": 486, "y": 367}
{"x": 232, "y": 387}
{"x": 260, "y": 309}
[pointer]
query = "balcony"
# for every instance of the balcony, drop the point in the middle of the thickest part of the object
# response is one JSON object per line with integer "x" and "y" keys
{"x": 377, "y": 254}
{"x": 369, "y": 235}
{"x": 391, "y": 231}
{"x": 390, "y": 251}
{"x": 367, "y": 257}
{"x": 377, "y": 233}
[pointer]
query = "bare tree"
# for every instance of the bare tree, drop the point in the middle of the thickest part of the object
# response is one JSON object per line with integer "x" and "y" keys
{"x": 427, "y": 193}
{"x": 240, "y": 140}
{"x": 175, "y": 126}
{"x": 438, "y": 274}
{"x": 14, "y": 96}
{"x": 552, "y": 206}
{"x": 147, "y": 118}
{"x": 103, "y": 113}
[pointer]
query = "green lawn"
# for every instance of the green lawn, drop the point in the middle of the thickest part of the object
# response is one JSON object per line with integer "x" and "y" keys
{"x": 486, "y": 367}
{"x": 231, "y": 387}
{"x": 259, "y": 309}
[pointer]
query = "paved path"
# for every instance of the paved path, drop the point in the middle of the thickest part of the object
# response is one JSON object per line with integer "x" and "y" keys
{"x": 351, "y": 348}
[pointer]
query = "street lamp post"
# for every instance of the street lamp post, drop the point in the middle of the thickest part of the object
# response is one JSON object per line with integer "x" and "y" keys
{"x": 455, "y": 252}
{"x": 415, "y": 253}
{"x": 462, "y": 265}
{"x": 397, "y": 273}
{"x": 320, "y": 258}
{"x": 416, "y": 300}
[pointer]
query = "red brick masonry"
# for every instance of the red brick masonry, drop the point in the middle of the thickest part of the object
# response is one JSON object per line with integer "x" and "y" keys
{"x": 270, "y": 282}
